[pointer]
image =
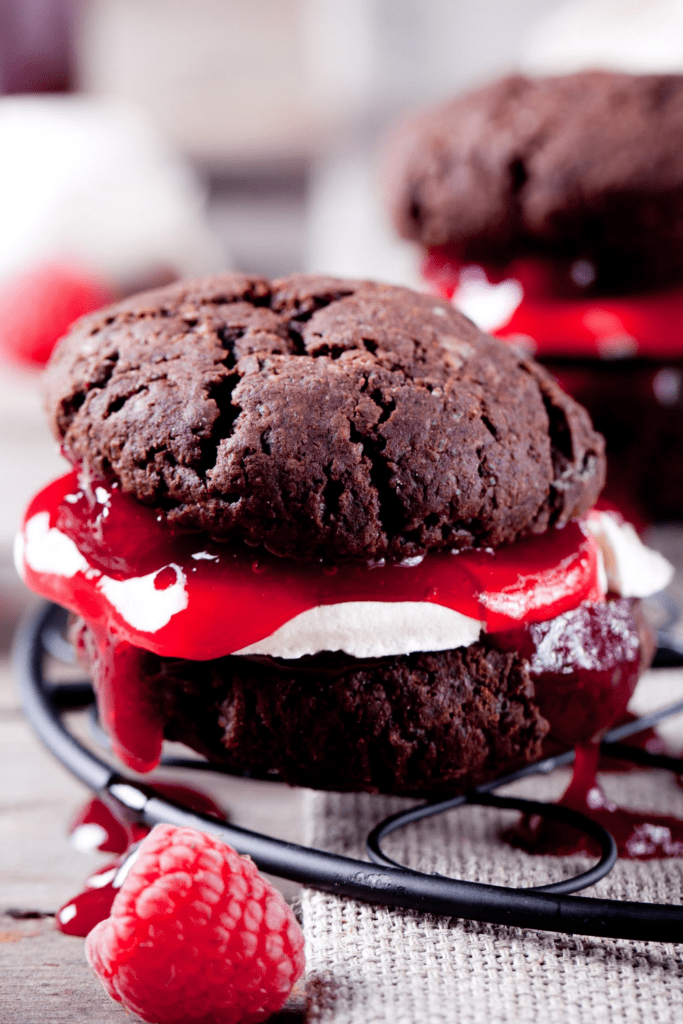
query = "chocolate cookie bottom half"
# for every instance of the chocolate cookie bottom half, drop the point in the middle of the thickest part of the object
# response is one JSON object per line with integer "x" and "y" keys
{"x": 418, "y": 724}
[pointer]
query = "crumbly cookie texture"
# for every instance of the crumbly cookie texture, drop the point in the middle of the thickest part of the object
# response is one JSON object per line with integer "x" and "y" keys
{"x": 585, "y": 165}
{"x": 321, "y": 418}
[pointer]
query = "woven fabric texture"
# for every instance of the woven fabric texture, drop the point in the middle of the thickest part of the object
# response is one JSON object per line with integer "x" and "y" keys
{"x": 370, "y": 964}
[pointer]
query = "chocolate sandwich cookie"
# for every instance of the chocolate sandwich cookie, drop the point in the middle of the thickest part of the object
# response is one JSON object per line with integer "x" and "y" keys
{"x": 585, "y": 166}
{"x": 321, "y": 418}
{"x": 551, "y": 210}
{"x": 331, "y": 531}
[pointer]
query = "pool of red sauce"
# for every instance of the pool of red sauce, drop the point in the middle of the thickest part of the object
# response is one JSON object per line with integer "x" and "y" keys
{"x": 639, "y": 835}
{"x": 237, "y": 596}
{"x": 563, "y": 319}
{"x": 93, "y": 903}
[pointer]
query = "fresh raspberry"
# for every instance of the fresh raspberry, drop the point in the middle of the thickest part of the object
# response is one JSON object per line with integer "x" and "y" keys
{"x": 196, "y": 936}
{"x": 38, "y": 306}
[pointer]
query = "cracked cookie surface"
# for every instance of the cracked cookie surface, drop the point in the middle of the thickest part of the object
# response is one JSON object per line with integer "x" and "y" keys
{"x": 321, "y": 418}
{"x": 588, "y": 165}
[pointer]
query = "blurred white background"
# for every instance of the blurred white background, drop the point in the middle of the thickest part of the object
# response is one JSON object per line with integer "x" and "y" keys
{"x": 284, "y": 104}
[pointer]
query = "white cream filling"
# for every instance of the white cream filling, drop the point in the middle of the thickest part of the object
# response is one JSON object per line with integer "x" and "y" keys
{"x": 374, "y": 629}
{"x": 362, "y": 629}
{"x": 633, "y": 570}
{"x": 46, "y": 549}
{"x": 370, "y": 629}
{"x": 138, "y": 601}
{"x": 491, "y": 306}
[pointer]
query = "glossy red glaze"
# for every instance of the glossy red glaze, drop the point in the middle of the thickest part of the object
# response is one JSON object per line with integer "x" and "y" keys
{"x": 111, "y": 834}
{"x": 563, "y": 320}
{"x": 114, "y": 833}
{"x": 93, "y": 904}
{"x": 236, "y": 596}
{"x": 639, "y": 835}
{"x": 585, "y": 665}
{"x": 127, "y": 710}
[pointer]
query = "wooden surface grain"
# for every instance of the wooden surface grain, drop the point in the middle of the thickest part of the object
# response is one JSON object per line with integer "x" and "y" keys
{"x": 43, "y": 974}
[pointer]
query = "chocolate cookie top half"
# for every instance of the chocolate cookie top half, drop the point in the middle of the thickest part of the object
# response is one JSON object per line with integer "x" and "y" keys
{"x": 321, "y": 418}
{"x": 589, "y": 164}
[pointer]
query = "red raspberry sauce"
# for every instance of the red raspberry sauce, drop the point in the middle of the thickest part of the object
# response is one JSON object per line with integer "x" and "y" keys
{"x": 639, "y": 835}
{"x": 563, "y": 320}
{"x": 236, "y": 595}
{"x": 93, "y": 904}
{"x": 116, "y": 834}
{"x": 127, "y": 709}
{"x": 585, "y": 665}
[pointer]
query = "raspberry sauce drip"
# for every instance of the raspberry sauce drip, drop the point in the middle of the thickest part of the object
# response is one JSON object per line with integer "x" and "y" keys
{"x": 116, "y": 835}
{"x": 127, "y": 710}
{"x": 585, "y": 665}
{"x": 561, "y": 318}
{"x": 93, "y": 904}
{"x": 639, "y": 835}
{"x": 122, "y": 567}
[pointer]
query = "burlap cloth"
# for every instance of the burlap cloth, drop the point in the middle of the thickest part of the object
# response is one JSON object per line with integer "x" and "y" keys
{"x": 370, "y": 964}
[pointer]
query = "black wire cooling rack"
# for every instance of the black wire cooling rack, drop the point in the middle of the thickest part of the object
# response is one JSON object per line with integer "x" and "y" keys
{"x": 379, "y": 880}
